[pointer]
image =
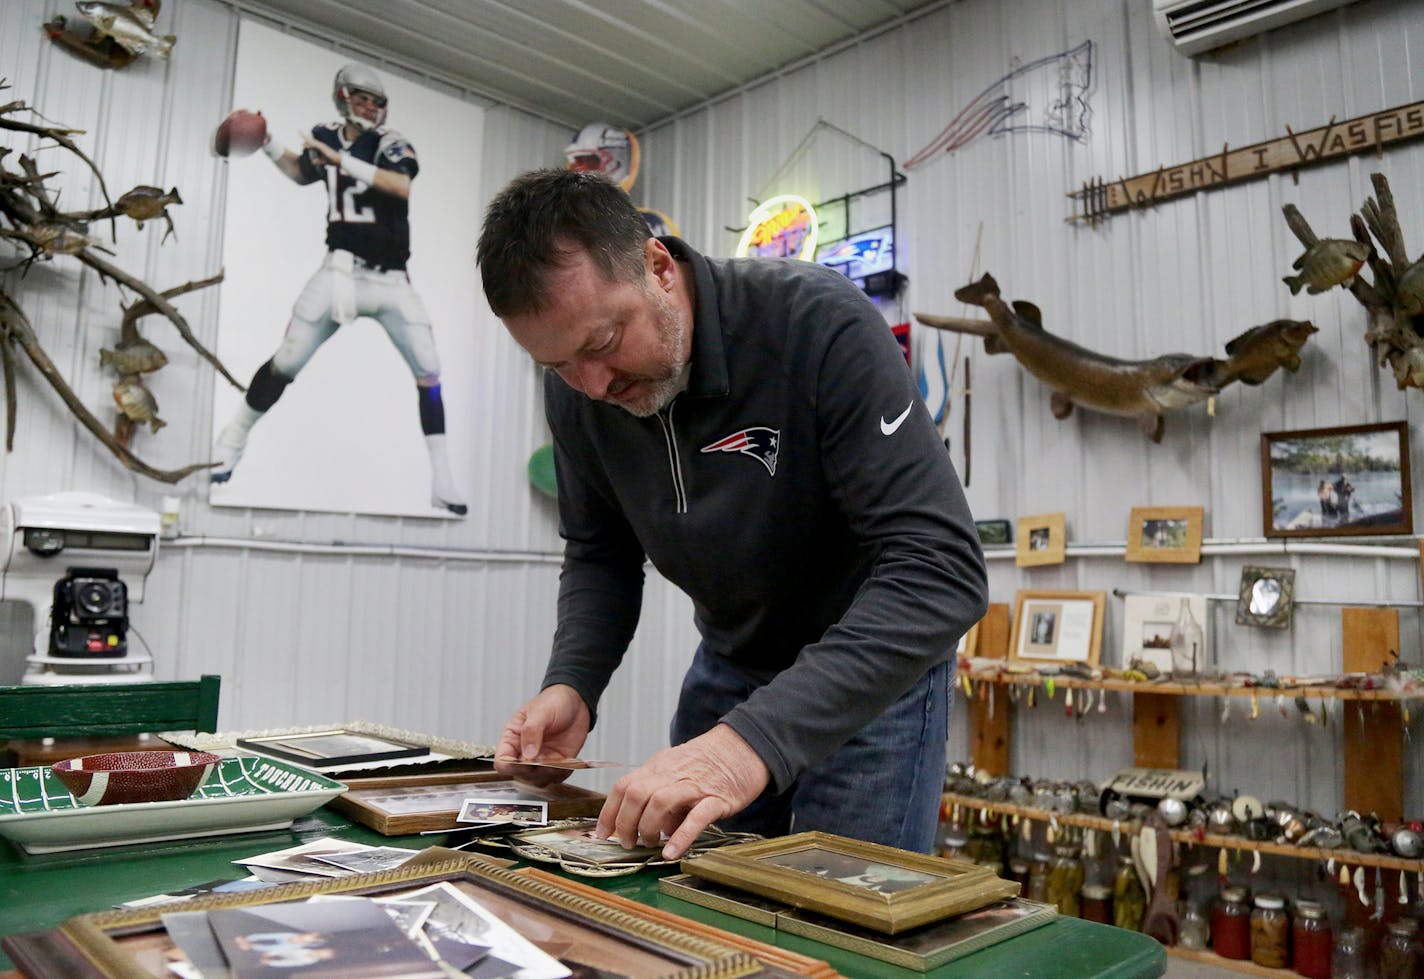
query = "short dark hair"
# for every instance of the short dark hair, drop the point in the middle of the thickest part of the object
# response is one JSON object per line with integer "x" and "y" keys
{"x": 535, "y": 222}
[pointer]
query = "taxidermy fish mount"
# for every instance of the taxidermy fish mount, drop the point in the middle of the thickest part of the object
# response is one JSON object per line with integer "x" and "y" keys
{"x": 1394, "y": 300}
{"x": 1142, "y": 389}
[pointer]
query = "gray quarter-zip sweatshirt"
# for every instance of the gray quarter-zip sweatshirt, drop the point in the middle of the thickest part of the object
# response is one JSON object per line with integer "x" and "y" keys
{"x": 797, "y": 491}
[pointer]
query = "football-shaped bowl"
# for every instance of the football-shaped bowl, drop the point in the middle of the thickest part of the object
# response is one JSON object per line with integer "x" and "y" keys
{"x": 134, "y": 776}
{"x": 240, "y": 134}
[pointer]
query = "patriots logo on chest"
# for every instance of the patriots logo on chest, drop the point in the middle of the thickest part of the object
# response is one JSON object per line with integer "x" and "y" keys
{"x": 759, "y": 443}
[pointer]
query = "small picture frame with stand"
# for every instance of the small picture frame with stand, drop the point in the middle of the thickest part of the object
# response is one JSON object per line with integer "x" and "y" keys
{"x": 1041, "y": 540}
{"x": 1165, "y": 534}
{"x": 1058, "y": 627}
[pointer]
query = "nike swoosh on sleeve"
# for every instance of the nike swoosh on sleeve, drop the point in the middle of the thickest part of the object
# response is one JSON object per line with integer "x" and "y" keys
{"x": 889, "y": 428}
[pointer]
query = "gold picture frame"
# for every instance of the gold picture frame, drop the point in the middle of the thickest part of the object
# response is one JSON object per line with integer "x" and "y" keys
{"x": 134, "y": 943}
{"x": 1165, "y": 534}
{"x": 1042, "y": 539}
{"x": 1057, "y": 627}
{"x": 879, "y": 887}
{"x": 402, "y": 804}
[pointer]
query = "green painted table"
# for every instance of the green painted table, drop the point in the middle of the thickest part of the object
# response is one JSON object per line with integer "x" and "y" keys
{"x": 41, "y": 891}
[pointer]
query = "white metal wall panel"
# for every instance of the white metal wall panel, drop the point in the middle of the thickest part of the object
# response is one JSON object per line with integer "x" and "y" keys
{"x": 1187, "y": 276}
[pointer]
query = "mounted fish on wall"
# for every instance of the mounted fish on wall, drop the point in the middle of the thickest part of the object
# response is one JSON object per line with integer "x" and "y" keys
{"x": 1394, "y": 300}
{"x": 118, "y": 33}
{"x": 1142, "y": 389}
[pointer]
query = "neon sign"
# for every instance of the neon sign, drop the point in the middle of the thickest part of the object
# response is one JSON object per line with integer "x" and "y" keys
{"x": 783, "y": 227}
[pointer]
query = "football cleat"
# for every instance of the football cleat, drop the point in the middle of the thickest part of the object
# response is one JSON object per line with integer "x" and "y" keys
{"x": 227, "y": 451}
{"x": 459, "y": 509}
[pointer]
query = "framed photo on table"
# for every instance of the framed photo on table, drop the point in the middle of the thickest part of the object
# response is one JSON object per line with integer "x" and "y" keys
{"x": 879, "y": 887}
{"x": 1323, "y": 482}
{"x": 1147, "y": 625}
{"x": 423, "y": 803}
{"x": 575, "y": 929}
{"x": 1165, "y": 534}
{"x": 337, "y": 746}
{"x": 1041, "y": 540}
{"x": 1058, "y": 627}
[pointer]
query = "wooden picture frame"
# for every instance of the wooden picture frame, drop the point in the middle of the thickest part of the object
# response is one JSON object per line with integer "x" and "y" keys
{"x": 880, "y": 887}
{"x": 112, "y": 944}
{"x": 404, "y": 804}
{"x": 1330, "y": 482}
{"x": 1057, "y": 627}
{"x": 1165, "y": 534}
{"x": 1041, "y": 540}
{"x": 334, "y": 746}
{"x": 994, "y": 533}
{"x": 1266, "y": 597}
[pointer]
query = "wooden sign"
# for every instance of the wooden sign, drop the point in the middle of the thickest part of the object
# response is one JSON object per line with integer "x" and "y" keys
{"x": 1100, "y": 199}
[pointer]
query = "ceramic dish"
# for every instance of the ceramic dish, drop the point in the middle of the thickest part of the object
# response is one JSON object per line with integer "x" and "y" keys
{"x": 135, "y": 776}
{"x": 243, "y": 794}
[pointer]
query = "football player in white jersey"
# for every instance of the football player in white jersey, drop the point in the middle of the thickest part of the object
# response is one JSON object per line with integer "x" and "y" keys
{"x": 367, "y": 170}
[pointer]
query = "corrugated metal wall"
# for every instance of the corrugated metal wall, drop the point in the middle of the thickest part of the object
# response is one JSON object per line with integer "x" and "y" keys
{"x": 1187, "y": 276}
{"x": 453, "y": 644}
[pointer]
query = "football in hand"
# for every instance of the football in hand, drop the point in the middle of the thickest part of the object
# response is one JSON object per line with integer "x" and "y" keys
{"x": 241, "y": 133}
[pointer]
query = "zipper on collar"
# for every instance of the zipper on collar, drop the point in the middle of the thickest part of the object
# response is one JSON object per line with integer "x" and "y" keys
{"x": 674, "y": 458}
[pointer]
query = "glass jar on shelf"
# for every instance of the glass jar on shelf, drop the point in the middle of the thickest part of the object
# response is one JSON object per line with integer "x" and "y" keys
{"x": 952, "y": 843}
{"x": 1065, "y": 879}
{"x": 1096, "y": 903}
{"x": 1129, "y": 897}
{"x": 1018, "y": 872}
{"x": 1194, "y": 930}
{"x": 1038, "y": 879}
{"x": 1311, "y": 940}
{"x": 1350, "y": 958}
{"x": 1231, "y": 924}
{"x": 1270, "y": 932}
{"x": 1400, "y": 953}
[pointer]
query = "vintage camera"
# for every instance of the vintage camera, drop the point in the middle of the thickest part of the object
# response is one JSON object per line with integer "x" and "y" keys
{"x": 90, "y": 615}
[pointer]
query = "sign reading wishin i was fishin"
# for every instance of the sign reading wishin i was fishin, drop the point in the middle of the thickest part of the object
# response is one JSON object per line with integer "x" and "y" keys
{"x": 1100, "y": 199}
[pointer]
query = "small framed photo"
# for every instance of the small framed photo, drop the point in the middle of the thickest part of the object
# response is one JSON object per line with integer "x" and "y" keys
{"x": 1058, "y": 627}
{"x": 1266, "y": 597}
{"x": 1323, "y": 482}
{"x": 994, "y": 531}
{"x": 1041, "y": 540}
{"x": 497, "y": 810}
{"x": 1148, "y": 622}
{"x": 1165, "y": 535}
{"x": 334, "y": 747}
{"x": 879, "y": 887}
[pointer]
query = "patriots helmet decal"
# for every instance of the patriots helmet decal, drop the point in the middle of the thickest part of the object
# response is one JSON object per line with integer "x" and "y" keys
{"x": 759, "y": 443}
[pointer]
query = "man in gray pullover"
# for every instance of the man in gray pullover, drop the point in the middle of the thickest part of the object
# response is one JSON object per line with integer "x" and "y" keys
{"x": 750, "y": 426}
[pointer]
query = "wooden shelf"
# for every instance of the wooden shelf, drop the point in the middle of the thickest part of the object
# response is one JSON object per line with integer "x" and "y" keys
{"x": 1349, "y": 858}
{"x": 1184, "y": 689}
{"x": 1235, "y": 965}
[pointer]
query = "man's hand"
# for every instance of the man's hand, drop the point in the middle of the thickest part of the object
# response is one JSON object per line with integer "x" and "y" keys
{"x": 681, "y": 791}
{"x": 551, "y": 727}
{"x": 328, "y": 155}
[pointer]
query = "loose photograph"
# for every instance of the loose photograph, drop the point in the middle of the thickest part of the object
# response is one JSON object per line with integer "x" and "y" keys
{"x": 502, "y": 811}
{"x": 871, "y": 875}
{"x": 1334, "y": 481}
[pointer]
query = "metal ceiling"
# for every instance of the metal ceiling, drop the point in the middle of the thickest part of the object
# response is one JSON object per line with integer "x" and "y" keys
{"x": 633, "y": 63}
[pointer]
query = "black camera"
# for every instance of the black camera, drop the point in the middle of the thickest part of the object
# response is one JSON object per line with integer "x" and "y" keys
{"x": 90, "y": 615}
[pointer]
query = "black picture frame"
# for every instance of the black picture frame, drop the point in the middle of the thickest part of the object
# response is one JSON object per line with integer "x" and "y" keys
{"x": 332, "y": 747}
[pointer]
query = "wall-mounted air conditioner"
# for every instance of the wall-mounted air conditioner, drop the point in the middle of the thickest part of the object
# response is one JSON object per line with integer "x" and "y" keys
{"x": 1195, "y": 26}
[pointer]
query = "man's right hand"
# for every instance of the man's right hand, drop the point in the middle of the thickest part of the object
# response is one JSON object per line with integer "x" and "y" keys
{"x": 551, "y": 727}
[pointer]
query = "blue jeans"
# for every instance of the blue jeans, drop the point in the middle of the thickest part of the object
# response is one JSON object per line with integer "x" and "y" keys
{"x": 883, "y": 785}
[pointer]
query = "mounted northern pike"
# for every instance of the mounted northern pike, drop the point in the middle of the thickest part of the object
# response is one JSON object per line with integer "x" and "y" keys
{"x": 1141, "y": 389}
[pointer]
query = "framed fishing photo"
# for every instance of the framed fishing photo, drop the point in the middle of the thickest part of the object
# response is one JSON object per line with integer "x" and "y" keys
{"x": 1324, "y": 482}
{"x": 1058, "y": 627}
{"x": 1041, "y": 540}
{"x": 1165, "y": 535}
{"x": 879, "y": 887}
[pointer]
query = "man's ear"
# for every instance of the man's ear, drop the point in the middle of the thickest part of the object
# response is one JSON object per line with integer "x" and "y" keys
{"x": 661, "y": 265}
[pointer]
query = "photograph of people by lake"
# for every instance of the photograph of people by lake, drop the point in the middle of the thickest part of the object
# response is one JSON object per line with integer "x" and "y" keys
{"x": 1332, "y": 481}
